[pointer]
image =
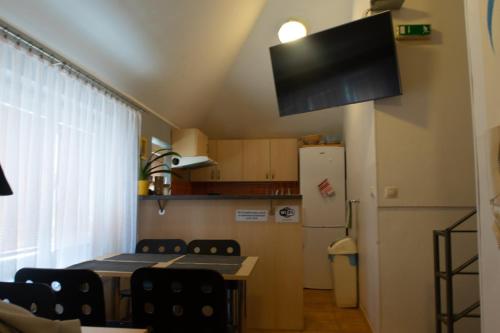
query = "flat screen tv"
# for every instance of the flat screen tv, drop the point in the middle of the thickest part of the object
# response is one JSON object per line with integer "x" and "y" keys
{"x": 348, "y": 64}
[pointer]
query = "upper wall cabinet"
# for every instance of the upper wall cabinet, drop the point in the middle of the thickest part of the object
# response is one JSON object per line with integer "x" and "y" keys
{"x": 210, "y": 173}
{"x": 250, "y": 160}
{"x": 284, "y": 160}
{"x": 256, "y": 160}
{"x": 274, "y": 159}
{"x": 230, "y": 160}
{"x": 189, "y": 142}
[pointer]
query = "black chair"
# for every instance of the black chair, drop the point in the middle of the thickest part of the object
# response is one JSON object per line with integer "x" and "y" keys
{"x": 78, "y": 293}
{"x": 157, "y": 246}
{"x": 161, "y": 246}
{"x": 37, "y": 298}
{"x": 222, "y": 247}
{"x": 178, "y": 300}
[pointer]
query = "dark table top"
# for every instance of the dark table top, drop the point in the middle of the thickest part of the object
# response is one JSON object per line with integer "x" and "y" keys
{"x": 111, "y": 266}
{"x": 123, "y": 265}
{"x": 146, "y": 257}
{"x": 211, "y": 259}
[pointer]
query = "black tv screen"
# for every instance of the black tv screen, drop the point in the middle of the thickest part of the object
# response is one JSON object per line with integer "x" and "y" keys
{"x": 351, "y": 63}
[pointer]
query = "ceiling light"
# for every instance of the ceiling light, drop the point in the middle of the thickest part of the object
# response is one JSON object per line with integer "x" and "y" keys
{"x": 291, "y": 30}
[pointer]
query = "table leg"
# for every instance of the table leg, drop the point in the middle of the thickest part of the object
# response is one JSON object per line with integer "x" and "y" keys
{"x": 115, "y": 300}
{"x": 242, "y": 306}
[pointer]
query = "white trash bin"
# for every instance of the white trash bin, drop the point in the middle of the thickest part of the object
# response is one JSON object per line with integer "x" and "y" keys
{"x": 343, "y": 256}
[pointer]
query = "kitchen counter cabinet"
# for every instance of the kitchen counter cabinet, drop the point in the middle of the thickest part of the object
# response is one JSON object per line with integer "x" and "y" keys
{"x": 275, "y": 289}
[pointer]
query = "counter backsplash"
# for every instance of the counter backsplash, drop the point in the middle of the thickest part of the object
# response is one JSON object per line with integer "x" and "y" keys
{"x": 262, "y": 188}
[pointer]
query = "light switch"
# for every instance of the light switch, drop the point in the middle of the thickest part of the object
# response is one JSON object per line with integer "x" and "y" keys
{"x": 391, "y": 192}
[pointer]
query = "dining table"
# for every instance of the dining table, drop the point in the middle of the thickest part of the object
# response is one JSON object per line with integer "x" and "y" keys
{"x": 232, "y": 268}
{"x": 92, "y": 329}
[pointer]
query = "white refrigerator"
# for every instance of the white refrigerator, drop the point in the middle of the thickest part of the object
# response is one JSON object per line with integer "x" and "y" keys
{"x": 323, "y": 214}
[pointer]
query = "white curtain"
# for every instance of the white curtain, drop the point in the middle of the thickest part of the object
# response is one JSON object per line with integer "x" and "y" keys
{"x": 70, "y": 153}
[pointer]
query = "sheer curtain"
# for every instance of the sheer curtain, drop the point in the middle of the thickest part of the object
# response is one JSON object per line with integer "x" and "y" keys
{"x": 70, "y": 153}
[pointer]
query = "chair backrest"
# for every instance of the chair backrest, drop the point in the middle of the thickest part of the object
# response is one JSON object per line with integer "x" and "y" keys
{"x": 37, "y": 298}
{"x": 179, "y": 300}
{"x": 78, "y": 292}
{"x": 222, "y": 247}
{"x": 161, "y": 246}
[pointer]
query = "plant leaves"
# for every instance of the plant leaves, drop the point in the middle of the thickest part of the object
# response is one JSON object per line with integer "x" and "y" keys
{"x": 159, "y": 171}
{"x": 150, "y": 161}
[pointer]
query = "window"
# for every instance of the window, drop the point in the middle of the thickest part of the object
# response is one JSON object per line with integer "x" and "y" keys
{"x": 70, "y": 154}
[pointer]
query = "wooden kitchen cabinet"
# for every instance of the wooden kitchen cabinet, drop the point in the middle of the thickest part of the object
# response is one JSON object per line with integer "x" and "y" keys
{"x": 270, "y": 160}
{"x": 230, "y": 160}
{"x": 284, "y": 160}
{"x": 250, "y": 160}
{"x": 256, "y": 160}
{"x": 189, "y": 142}
{"x": 209, "y": 173}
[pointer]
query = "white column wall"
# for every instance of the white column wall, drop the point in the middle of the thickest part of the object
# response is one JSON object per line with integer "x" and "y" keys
{"x": 422, "y": 144}
{"x": 485, "y": 75}
{"x": 361, "y": 185}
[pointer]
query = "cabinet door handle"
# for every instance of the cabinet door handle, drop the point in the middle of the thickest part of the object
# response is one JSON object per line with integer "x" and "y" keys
{"x": 272, "y": 176}
{"x": 267, "y": 175}
{"x": 212, "y": 174}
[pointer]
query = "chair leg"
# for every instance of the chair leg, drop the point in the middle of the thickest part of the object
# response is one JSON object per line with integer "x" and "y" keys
{"x": 127, "y": 312}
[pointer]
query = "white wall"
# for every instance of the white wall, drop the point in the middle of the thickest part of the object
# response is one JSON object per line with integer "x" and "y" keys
{"x": 423, "y": 146}
{"x": 359, "y": 134}
{"x": 485, "y": 74}
{"x": 359, "y": 127}
{"x": 152, "y": 126}
{"x": 406, "y": 268}
{"x": 424, "y": 137}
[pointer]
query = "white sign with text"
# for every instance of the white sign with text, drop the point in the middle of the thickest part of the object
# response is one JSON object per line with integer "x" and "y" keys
{"x": 251, "y": 215}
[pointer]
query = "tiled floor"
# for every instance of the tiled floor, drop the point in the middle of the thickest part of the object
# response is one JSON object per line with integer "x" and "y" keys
{"x": 322, "y": 316}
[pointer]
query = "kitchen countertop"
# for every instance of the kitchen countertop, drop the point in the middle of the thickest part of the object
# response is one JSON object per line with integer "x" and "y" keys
{"x": 222, "y": 197}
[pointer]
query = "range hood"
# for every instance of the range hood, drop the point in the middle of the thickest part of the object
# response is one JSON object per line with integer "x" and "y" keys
{"x": 192, "y": 145}
{"x": 191, "y": 162}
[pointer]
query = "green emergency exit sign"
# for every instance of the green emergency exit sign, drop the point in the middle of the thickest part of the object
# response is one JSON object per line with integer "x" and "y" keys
{"x": 414, "y": 31}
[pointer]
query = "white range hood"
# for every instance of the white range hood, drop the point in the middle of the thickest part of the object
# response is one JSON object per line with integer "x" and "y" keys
{"x": 192, "y": 145}
{"x": 191, "y": 162}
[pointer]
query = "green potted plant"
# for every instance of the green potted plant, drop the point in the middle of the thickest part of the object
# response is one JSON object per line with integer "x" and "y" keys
{"x": 148, "y": 168}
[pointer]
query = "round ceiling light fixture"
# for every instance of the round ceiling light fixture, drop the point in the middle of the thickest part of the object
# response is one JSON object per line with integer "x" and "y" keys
{"x": 291, "y": 30}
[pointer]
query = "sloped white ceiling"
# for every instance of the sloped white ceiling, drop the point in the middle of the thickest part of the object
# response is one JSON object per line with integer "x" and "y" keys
{"x": 246, "y": 105}
{"x": 198, "y": 63}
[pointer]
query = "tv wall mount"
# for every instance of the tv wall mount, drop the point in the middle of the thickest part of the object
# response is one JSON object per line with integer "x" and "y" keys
{"x": 377, "y": 5}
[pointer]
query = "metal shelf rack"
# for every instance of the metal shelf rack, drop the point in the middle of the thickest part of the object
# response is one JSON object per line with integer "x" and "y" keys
{"x": 449, "y": 318}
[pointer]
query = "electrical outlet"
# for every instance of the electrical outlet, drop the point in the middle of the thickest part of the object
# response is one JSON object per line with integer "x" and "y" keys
{"x": 391, "y": 192}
